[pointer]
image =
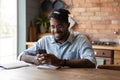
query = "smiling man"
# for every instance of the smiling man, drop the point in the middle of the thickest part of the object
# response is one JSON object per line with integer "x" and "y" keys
{"x": 62, "y": 48}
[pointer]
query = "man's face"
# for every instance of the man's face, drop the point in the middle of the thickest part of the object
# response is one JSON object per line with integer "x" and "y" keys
{"x": 59, "y": 30}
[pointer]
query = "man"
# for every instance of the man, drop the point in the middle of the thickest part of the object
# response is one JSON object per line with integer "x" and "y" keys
{"x": 63, "y": 48}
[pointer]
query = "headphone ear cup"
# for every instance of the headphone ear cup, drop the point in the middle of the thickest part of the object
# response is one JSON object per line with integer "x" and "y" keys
{"x": 72, "y": 22}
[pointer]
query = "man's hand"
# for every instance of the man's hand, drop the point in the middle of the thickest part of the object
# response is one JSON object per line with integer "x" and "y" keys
{"x": 36, "y": 59}
{"x": 47, "y": 59}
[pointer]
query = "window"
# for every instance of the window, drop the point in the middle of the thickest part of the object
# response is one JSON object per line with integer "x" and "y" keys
{"x": 8, "y": 30}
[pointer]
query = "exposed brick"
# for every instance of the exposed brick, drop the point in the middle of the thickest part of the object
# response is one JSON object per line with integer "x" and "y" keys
{"x": 99, "y": 26}
{"x": 115, "y": 22}
{"x": 102, "y": 22}
{"x": 84, "y": 22}
{"x": 106, "y": 9}
{"x": 86, "y": 5}
{"x": 66, "y": 1}
{"x": 95, "y": 18}
{"x": 117, "y": 0}
{"x": 95, "y": 9}
{"x": 113, "y": 4}
{"x": 114, "y": 12}
{"x": 79, "y": 30}
{"x": 102, "y": 14}
{"x": 114, "y": 27}
{"x": 95, "y": 31}
{"x": 106, "y": 22}
{"x": 109, "y": 4}
{"x": 75, "y": 14}
{"x": 89, "y": 5}
{"x": 104, "y": 4}
{"x": 100, "y": 35}
{"x": 93, "y": 5}
{"x": 79, "y": 10}
{"x": 74, "y": 3}
{"x": 113, "y": 17}
{"x": 106, "y": 1}
{"x": 93, "y": 1}
{"x": 97, "y": 4}
{"x": 78, "y": 1}
{"x": 117, "y": 9}
{"x": 106, "y": 31}
{"x": 87, "y": 14}
{"x": 82, "y": 18}
{"x": 86, "y": 26}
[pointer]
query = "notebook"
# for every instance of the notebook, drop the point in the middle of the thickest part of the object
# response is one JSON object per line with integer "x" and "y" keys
{"x": 46, "y": 66}
{"x": 13, "y": 65}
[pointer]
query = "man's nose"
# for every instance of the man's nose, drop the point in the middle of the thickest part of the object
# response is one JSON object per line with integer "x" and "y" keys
{"x": 56, "y": 29}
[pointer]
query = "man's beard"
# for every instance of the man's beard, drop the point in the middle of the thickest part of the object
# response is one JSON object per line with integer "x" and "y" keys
{"x": 63, "y": 37}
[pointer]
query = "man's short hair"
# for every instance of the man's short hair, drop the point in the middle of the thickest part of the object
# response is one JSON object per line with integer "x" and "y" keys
{"x": 60, "y": 14}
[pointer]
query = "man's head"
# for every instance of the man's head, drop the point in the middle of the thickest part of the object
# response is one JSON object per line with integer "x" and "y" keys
{"x": 59, "y": 24}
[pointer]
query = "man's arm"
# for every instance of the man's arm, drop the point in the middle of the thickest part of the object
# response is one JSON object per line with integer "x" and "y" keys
{"x": 30, "y": 59}
{"x": 53, "y": 60}
{"x": 27, "y": 58}
{"x": 83, "y": 63}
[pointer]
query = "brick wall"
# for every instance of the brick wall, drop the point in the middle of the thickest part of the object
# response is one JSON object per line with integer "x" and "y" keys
{"x": 98, "y": 19}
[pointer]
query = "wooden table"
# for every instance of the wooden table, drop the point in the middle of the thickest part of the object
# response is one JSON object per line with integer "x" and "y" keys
{"x": 32, "y": 73}
{"x": 110, "y": 67}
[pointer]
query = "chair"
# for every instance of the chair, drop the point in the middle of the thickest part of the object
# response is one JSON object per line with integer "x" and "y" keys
{"x": 100, "y": 61}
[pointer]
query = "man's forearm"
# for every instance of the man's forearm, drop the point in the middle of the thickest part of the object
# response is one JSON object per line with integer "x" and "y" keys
{"x": 28, "y": 58}
{"x": 84, "y": 63}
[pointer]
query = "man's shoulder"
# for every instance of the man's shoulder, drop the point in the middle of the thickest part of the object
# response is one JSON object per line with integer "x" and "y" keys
{"x": 46, "y": 38}
{"x": 78, "y": 34}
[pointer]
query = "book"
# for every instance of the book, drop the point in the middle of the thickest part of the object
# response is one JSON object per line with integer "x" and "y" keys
{"x": 13, "y": 65}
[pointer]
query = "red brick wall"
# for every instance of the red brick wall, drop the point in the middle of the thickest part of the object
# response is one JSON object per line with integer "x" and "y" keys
{"x": 96, "y": 18}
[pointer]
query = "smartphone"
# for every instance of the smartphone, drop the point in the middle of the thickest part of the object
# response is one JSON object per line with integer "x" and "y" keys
{"x": 41, "y": 51}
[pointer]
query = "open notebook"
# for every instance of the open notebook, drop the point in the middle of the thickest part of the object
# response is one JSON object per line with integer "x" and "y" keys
{"x": 13, "y": 65}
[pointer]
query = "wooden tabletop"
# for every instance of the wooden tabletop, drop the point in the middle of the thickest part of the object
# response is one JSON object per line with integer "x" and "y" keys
{"x": 32, "y": 73}
{"x": 110, "y": 67}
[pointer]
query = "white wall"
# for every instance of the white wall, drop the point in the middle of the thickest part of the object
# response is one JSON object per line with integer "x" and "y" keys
{"x": 27, "y": 11}
{"x": 21, "y": 25}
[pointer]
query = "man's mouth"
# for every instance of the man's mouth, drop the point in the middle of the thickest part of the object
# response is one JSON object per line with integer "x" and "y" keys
{"x": 57, "y": 35}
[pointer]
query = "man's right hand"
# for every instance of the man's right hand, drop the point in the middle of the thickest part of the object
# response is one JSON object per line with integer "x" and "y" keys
{"x": 36, "y": 60}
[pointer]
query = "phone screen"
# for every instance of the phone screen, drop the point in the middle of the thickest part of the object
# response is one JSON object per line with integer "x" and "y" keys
{"x": 41, "y": 51}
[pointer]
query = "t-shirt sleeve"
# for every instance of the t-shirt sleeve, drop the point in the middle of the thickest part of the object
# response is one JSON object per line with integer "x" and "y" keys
{"x": 86, "y": 51}
{"x": 34, "y": 49}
